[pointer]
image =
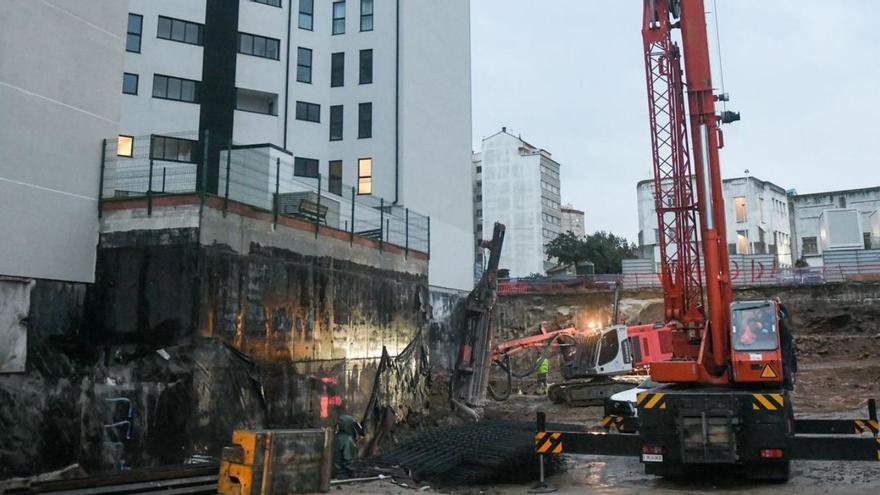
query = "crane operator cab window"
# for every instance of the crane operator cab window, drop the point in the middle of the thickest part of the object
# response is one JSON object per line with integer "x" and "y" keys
{"x": 755, "y": 327}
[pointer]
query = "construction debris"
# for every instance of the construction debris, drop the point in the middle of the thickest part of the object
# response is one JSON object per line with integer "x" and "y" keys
{"x": 479, "y": 453}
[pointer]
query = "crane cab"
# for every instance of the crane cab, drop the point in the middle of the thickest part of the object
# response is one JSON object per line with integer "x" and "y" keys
{"x": 756, "y": 355}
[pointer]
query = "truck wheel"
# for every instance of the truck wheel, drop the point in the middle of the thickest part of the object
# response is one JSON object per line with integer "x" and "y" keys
{"x": 556, "y": 394}
{"x": 777, "y": 472}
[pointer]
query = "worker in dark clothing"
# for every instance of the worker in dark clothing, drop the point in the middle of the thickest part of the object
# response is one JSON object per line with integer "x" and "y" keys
{"x": 789, "y": 354}
{"x": 345, "y": 446}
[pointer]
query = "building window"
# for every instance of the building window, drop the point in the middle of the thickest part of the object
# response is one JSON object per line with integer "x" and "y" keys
{"x": 133, "y": 37}
{"x": 249, "y": 100}
{"x": 175, "y": 88}
{"x": 337, "y": 70}
{"x": 129, "y": 83}
{"x": 740, "y": 204}
{"x": 336, "y": 123}
{"x": 339, "y": 17}
{"x": 867, "y": 238}
{"x": 742, "y": 242}
{"x": 365, "y": 176}
{"x": 365, "y": 120}
{"x": 841, "y": 202}
{"x": 274, "y": 3}
{"x": 124, "y": 146}
{"x": 259, "y": 46}
{"x": 304, "y": 65}
{"x": 366, "y": 15}
{"x": 305, "y": 167}
{"x": 172, "y": 149}
{"x": 306, "y": 14}
{"x": 310, "y": 112}
{"x": 178, "y": 30}
{"x": 366, "y": 72}
{"x": 809, "y": 246}
{"x": 334, "y": 184}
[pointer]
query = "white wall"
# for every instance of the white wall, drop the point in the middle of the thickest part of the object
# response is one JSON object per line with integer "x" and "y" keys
{"x": 60, "y": 88}
{"x": 435, "y": 120}
{"x": 807, "y": 209}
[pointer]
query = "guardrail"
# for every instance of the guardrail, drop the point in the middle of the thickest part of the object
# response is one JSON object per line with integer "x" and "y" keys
{"x": 261, "y": 176}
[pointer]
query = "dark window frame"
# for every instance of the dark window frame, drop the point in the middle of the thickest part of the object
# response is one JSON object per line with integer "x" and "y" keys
{"x": 200, "y": 30}
{"x": 300, "y": 50}
{"x": 137, "y": 79}
{"x": 274, "y": 108}
{"x": 365, "y": 126}
{"x": 303, "y": 14}
{"x": 302, "y": 167}
{"x": 338, "y": 124}
{"x": 131, "y": 155}
{"x": 334, "y": 181}
{"x": 341, "y": 20}
{"x": 192, "y": 143}
{"x": 307, "y": 111}
{"x": 139, "y": 33}
{"x": 813, "y": 241}
{"x": 365, "y": 66}
{"x": 369, "y": 15}
{"x": 196, "y": 89}
{"x": 253, "y": 51}
{"x": 337, "y": 72}
{"x": 271, "y": 3}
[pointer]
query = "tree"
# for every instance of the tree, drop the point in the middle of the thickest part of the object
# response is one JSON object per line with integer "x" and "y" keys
{"x": 605, "y": 250}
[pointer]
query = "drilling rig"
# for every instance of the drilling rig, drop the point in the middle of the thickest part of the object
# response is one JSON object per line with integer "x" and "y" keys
{"x": 724, "y": 399}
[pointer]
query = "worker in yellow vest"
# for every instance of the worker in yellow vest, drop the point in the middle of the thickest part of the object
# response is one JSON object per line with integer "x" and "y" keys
{"x": 543, "y": 368}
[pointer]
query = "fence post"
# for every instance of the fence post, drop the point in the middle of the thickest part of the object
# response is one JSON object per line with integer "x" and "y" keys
{"x": 204, "y": 175}
{"x": 351, "y": 235}
{"x": 381, "y": 223}
{"x": 163, "y": 179}
{"x": 226, "y": 193}
{"x": 150, "y": 191}
{"x": 101, "y": 178}
{"x": 275, "y": 199}
{"x": 318, "y": 216}
{"x": 406, "y": 235}
{"x": 429, "y": 237}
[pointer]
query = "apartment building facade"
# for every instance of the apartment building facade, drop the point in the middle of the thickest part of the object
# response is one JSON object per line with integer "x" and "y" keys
{"x": 756, "y": 212}
{"x": 806, "y": 212}
{"x": 517, "y": 184}
{"x": 573, "y": 220}
{"x": 346, "y": 89}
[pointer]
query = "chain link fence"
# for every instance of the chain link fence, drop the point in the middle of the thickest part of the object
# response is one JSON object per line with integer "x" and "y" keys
{"x": 261, "y": 176}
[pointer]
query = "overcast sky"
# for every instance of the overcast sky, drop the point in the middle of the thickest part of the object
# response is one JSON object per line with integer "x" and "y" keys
{"x": 568, "y": 75}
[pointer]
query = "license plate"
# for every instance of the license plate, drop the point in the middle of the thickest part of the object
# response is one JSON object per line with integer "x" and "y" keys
{"x": 652, "y": 457}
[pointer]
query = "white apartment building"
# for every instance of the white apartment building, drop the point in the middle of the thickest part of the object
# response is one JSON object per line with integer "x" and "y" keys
{"x": 573, "y": 220}
{"x": 517, "y": 184}
{"x": 60, "y": 74}
{"x": 348, "y": 89}
{"x": 756, "y": 212}
{"x": 806, "y": 211}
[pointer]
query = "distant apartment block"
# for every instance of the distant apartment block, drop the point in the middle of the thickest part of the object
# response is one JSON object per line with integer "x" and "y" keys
{"x": 763, "y": 218}
{"x": 845, "y": 219}
{"x": 347, "y": 89}
{"x": 517, "y": 184}
{"x": 573, "y": 220}
{"x": 756, "y": 212}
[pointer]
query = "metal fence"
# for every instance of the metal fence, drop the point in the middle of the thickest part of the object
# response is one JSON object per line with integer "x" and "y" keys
{"x": 264, "y": 177}
{"x": 840, "y": 266}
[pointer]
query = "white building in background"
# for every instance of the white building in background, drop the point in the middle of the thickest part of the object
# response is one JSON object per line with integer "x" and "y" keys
{"x": 60, "y": 74}
{"x": 352, "y": 89}
{"x": 573, "y": 220}
{"x": 856, "y": 208}
{"x": 517, "y": 184}
{"x": 757, "y": 217}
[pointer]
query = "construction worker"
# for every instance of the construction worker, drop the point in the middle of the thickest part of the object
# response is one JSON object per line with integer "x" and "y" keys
{"x": 345, "y": 446}
{"x": 543, "y": 368}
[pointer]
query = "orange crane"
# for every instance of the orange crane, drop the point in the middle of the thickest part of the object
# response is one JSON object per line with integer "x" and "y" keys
{"x": 723, "y": 398}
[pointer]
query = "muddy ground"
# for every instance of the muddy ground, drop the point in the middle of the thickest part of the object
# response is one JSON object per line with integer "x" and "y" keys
{"x": 839, "y": 369}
